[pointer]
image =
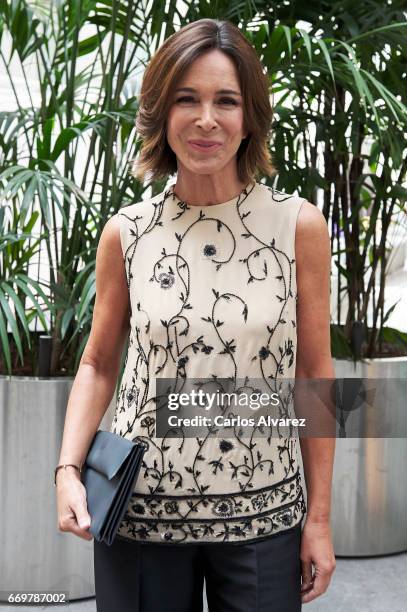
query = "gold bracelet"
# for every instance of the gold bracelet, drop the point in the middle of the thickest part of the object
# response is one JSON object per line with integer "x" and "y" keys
{"x": 65, "y": 465}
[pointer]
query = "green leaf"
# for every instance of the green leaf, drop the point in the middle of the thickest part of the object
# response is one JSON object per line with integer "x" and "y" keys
{"x": 10, "y": 319}
{"x": 4, "y": 342}
{"x": 389, "y": 311}
{"x": 287, "y": 33}
{"x": 307, "y": 42}
{"x": 325, "y": 52}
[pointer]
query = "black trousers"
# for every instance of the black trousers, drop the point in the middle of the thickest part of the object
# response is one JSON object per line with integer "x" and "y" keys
{"x": 239, "y": 577}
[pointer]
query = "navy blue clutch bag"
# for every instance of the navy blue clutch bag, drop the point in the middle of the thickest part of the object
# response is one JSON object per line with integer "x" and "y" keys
{"x": 109, "y": 474}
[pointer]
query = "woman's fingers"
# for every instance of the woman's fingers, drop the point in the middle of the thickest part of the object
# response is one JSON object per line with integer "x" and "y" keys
{"x": 73, "y": 527}
{"x": 321, "y": 580}
{"x": 306, "y": 574}
{"x": 75, "y": 517}
{"x": 317, "y": 556}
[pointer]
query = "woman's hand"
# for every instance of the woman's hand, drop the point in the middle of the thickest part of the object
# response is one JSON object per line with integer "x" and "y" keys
{"x": 73, "y": 512}
{"x": 316, "y": 550}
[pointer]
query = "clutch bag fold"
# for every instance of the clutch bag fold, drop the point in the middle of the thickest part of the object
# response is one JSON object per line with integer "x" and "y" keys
{"x": 109, "y": 474}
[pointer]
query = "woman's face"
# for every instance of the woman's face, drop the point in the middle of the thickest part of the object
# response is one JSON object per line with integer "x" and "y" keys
{"x": 204, "y": 112}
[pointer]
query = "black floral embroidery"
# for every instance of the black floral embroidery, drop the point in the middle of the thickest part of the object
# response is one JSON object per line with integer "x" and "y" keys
{"x": 166, "y": 280}
{"x": 286, "y": 517}
{"x": 259, "y": 502}
{"x": 184, "y": 322}
{"x": 209, "y": 250}
{"x": 223, "y": 507}
{"x": 132, "y": 395}
{"x": 225, "y": 445}
{"x": 171, "y": 507}
{"x": 182, "y": 362}
{"x": 264, "y": 352}
{"x": 225, "y": 524}
{"x": 147, "y": 421}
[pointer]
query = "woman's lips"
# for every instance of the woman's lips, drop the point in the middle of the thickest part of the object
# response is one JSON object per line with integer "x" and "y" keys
{"x": 204, "y": 148}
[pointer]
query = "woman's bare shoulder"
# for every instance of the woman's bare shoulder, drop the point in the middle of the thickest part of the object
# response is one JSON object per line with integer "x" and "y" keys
{"x": 110, "y": 236}
{"x": 112, "y": 227}
{"x": 312, "y": 229}
{"x": 110, "y": 267}
{"x": 310, "y": 219}
{"x": 111, "y": 313}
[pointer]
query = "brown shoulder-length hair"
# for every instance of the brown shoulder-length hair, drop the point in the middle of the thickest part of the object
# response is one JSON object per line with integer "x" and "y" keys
{"x": 161, "y": 77}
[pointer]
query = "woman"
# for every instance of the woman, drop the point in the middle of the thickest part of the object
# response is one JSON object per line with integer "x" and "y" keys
{"x": 216, "y": 276}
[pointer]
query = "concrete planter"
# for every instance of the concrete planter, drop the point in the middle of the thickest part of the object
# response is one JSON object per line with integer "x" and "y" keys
{"x": 35, "y": 555}
{"x": 369, "y": 495}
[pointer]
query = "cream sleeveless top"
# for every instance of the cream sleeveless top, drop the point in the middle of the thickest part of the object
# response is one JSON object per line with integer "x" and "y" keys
{"x": 212, "y": 293}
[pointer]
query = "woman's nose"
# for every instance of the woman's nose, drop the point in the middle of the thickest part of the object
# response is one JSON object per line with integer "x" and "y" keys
{"x": 206, "y": 116}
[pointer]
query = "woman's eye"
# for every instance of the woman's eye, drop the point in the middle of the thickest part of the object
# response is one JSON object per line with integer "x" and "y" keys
{"x": 189, "y": 98}
{"x": 228, "y": 100}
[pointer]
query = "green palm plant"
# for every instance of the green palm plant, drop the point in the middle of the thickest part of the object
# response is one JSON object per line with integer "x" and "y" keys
{"x": 74, "y": 170}
{"x": 339, "y": 132}
{"x": 16, "y": 287}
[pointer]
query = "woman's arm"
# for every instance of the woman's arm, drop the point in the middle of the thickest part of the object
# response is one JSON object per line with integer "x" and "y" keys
{"x": 96, "y": 378}
{"x": 313, "y": 263}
